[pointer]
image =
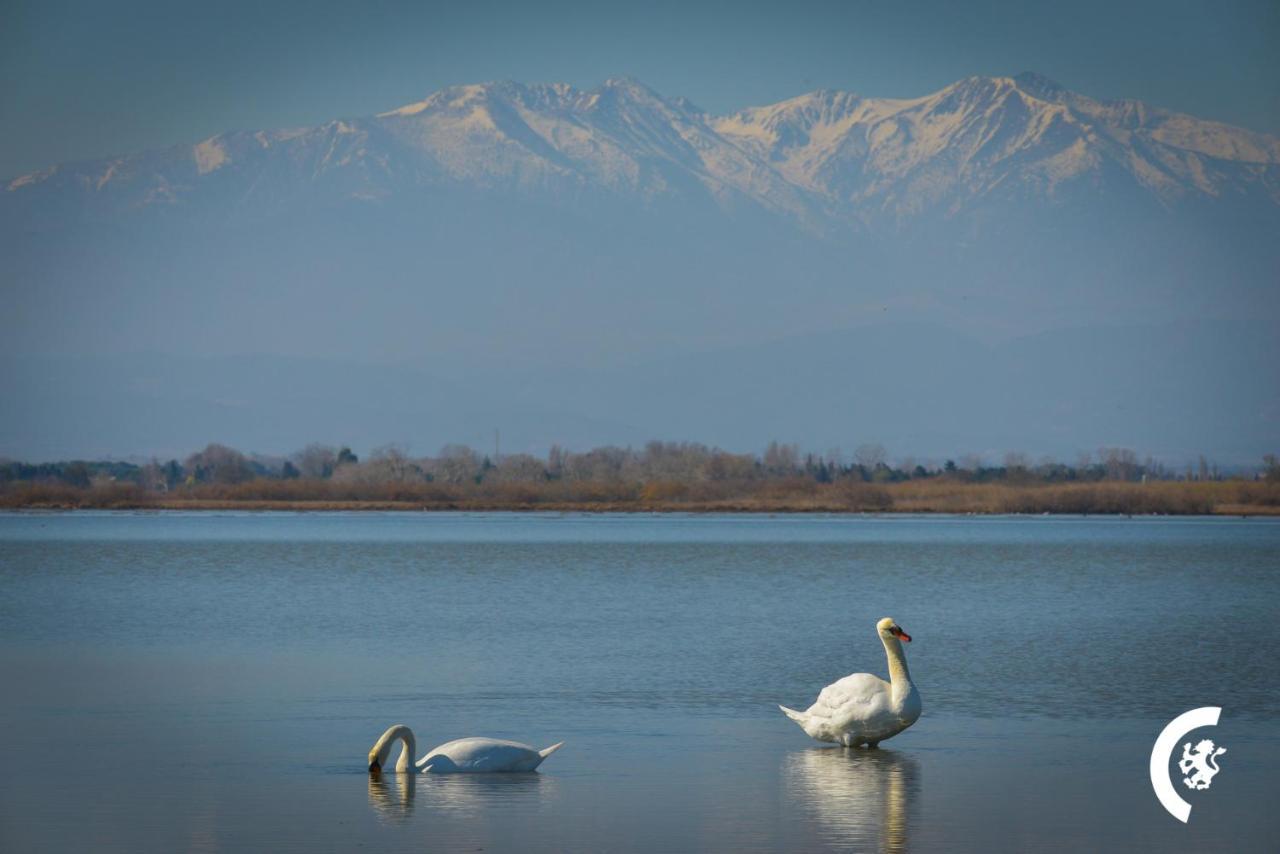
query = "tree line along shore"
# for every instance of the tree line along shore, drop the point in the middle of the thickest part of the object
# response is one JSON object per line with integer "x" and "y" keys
{"x": 660, "y": 477}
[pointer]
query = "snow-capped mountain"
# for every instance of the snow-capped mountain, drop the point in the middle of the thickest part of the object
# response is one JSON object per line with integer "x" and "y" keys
{"x": 1014, "y": 137}
{"x": 821, "y": 159}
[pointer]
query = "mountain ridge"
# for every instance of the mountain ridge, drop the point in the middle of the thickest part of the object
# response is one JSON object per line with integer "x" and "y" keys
{"x": 822, "y": 158}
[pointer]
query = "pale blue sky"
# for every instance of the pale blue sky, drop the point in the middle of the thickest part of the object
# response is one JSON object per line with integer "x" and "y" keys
{"x": 87, "y": 79}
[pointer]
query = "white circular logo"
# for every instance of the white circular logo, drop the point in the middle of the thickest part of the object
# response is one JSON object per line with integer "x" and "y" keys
{"x": 1198, "y": 763}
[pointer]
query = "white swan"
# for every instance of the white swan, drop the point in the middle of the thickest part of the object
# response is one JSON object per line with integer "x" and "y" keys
{"x": 862, "y": 709}
{"x": 462, "y": 756}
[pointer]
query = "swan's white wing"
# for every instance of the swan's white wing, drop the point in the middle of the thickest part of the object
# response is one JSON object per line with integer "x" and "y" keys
{"x": 853, "y": 698}
{"x": 483, "y": 754}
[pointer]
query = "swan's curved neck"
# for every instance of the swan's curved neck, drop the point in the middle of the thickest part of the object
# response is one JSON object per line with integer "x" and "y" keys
{"x": 899, "y": 675}
{"x": 382, "y": 748}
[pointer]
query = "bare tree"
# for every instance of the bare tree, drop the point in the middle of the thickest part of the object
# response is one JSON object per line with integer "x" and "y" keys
{"x": 781, "y": 459}
{"x": 1120, "y": 463}
{"x": 1154, "y": 469}
{"x": 387, "y": 464}
{"x": 870, "y": 456}
{"x": 392, "y": 464}
{"x": 457, "y": 464}
{"x": 316, "y": 461}
{"x": 219, "y": 464}
{"x": 518, "y": 468}
{"x": 724, "y": 466}
{"x": 152, "y": 477}
{"x": 1017, "y": 466}
{"x": 555, "y": 461}
{"x": 599, "y": 464}
{"x": 1126, "y": 461}
{"x": 673, "y": 461}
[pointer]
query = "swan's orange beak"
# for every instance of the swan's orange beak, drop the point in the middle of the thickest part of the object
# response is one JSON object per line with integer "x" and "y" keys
{"x": 897, "y": 632}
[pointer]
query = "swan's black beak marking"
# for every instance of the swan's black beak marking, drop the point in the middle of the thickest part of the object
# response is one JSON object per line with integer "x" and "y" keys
{"x": 374, "y": 767}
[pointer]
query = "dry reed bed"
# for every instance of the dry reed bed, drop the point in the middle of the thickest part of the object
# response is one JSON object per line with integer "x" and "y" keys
{"x": 796, "y": 495}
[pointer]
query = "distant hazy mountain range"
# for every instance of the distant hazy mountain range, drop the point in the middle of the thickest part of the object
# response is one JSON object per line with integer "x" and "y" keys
{"x": 1000, "y": 265}
{"x": 827, "y": 159}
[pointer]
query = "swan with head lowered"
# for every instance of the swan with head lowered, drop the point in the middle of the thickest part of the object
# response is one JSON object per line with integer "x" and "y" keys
{"x": 461, "y": 756}
{"x": 862, "y": 709}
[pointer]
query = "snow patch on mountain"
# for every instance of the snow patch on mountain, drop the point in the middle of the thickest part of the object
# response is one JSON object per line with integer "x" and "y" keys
{"x": 30, "y": 179}
{"x": 210, "y": 155}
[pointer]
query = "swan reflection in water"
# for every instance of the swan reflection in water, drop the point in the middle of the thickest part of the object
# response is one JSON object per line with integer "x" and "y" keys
{"x": 393, "y": 796}
{"x": 863, "y": 798}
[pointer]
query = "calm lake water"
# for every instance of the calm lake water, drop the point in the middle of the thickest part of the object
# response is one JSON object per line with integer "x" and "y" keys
{"x": 212, "y": 682}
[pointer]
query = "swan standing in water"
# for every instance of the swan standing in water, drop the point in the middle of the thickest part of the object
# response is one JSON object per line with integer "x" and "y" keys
{"x": 862, "y": 709}
{"x": 462, "y": 756}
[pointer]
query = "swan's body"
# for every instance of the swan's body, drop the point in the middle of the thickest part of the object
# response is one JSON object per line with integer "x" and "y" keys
{"x": 463, "y": 756}
{"x": 862, "y": 709}
{"x": 483, "y": 755}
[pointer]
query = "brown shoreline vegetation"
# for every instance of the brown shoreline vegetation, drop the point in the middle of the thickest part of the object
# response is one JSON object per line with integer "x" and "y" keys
{"x": 663, "y": 477}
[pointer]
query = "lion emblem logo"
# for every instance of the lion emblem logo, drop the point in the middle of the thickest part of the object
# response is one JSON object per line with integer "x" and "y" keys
{"x": 1202, "y": 760}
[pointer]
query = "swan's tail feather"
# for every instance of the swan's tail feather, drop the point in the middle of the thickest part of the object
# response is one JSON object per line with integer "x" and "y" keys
{"x": 550, "y": 750}
{"x": 798, "y": 717}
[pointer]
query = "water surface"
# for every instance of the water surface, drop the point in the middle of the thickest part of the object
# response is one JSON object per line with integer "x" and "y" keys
{"x": 211, "y": 682}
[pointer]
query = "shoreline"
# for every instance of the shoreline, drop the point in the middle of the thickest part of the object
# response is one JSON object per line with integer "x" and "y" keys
{"x": 709, "y": 508}
{"x": 795, "y": 495}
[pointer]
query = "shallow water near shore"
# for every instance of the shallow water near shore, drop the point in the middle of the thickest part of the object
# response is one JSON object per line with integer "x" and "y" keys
{"x": 212, "y": 681}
